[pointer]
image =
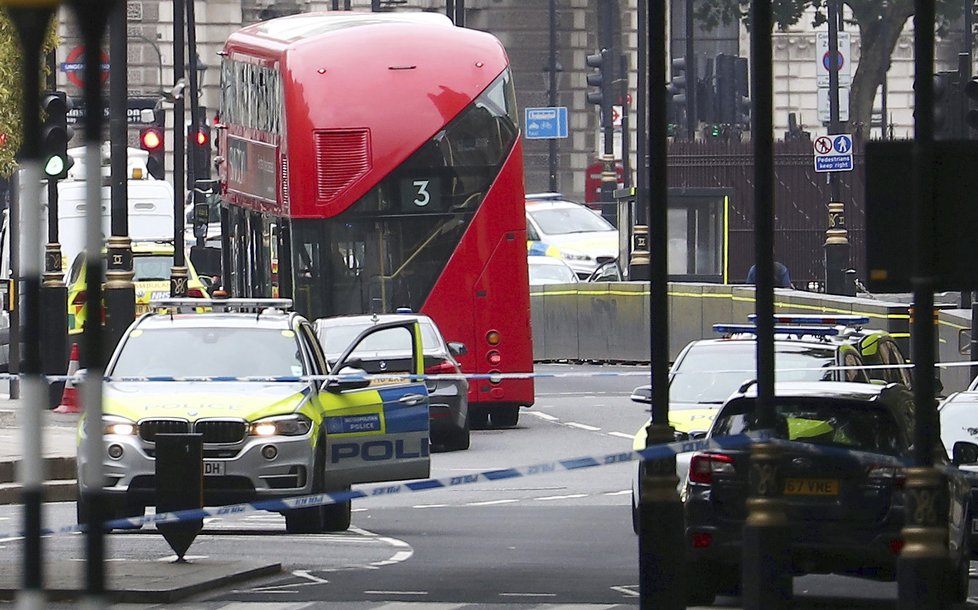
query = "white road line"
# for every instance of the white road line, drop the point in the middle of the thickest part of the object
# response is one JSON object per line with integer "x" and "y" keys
{"x": 396, "y": 592}
{"x": 567, "y": 497}
{"x": 618, "y": 493}
{"x": 622, "y": 435}
{"x": 527, "y": 595}
{"x": 573, "y": 424}
{"x": 430, "y": 506}
{"x": 491, "y": 502}
{"x": 545, "y": 416}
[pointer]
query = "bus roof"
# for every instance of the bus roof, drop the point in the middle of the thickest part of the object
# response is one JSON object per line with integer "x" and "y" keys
{"x": 370, "y": 87}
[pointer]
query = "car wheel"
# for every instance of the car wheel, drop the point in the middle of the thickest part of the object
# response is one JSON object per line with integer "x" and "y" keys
{"x": 337, "y": 517}
{"x": 116, "y": 508}
{"x": 506, "y": 417}
{"x": 958, "y": 580}
{"x": 699, "y": 592}
{"x": 478, "y": 418}
{"x": 728, "y": 581}
{"x": 459, "y": 438}
{"x": 309, "y": 520}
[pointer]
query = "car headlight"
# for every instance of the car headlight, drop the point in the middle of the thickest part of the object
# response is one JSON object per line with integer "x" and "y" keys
{"x": 281, "y": 425}
{"x": 574, "y": 256}
{"x": 119, "y": 426}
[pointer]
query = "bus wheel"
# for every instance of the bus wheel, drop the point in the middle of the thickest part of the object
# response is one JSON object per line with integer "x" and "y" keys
{"x": 478, "y": 418}
{"x": 506, "y": 417}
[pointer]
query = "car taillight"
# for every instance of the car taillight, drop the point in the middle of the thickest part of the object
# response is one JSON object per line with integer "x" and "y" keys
{"x": 896, "y": 545}
{"x": 195, "y": 293}
{"x": 701, "y": 540}
{"x": 887, "y": 472}
{"x": 494, "y": 358}
{"x": 703, "y": 466}
{"x": 442, "y": 368}
{"x": 80, "y": 299}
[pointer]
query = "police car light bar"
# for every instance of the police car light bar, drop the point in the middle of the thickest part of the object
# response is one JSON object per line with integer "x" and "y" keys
{"x": 814, "y": 318}
{"x": 238, "y": 305}
{"x": 818, "y": 331}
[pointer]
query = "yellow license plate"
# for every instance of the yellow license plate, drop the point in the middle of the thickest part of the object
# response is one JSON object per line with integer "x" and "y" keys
{"x": 811, "y": 487}
{"x": 142, "y": 308}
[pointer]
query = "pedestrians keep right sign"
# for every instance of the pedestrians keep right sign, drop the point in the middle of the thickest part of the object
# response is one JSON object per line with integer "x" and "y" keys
{"x": 833, "y": 153}
{"x": 546, "y": 123}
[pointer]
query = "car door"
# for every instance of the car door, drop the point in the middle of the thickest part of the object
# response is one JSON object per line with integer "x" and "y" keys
{"x": 377, "y": 425}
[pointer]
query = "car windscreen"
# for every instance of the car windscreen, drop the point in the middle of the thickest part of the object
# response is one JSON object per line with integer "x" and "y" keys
{"x": 336, "y": 338}
{"x": 543, "y": 274}
{"x": 824, "y": 421}
{"x": 564, "y": 221}
{"x": 711, "y": 372}
{"x": 156, "y": 267}
{"x": 193, "y": 352}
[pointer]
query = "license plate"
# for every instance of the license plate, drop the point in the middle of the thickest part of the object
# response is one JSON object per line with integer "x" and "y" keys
{"x": 214, "y": 469}
{"x": 142, "y": 308}
{"x": 811, "y": 487}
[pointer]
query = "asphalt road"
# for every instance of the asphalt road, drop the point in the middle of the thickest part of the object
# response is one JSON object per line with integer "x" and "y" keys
{"x": 526, "y": 542}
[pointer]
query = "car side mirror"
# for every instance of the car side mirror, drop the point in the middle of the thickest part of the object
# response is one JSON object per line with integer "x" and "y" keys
{"x": 964, "y": 452}
{"x": 642, "y": 394}
{"x": 697, "y": 434}
{"x": 351, "y": 378}
{"x": 457, "y": 348}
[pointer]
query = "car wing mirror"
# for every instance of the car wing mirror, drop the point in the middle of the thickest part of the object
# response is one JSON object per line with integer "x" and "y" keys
{"x": 697, "y": 434}
{"x": 642, "y": 395}
{"x": 349, "y": 378}
{"x": 457, "y": 348}
{"x": 964, "y": 452}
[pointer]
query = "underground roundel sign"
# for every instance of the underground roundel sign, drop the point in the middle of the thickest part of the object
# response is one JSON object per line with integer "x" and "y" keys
{"x": 74, "y": 66}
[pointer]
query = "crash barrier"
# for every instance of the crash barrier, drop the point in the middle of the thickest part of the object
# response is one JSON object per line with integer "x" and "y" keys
{"x": 610, "y": 321}
{"x": 655, "y": 452}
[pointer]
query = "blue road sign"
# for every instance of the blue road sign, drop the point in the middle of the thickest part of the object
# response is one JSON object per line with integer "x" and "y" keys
{"x": 833, "y": 153}
{"x": 546, "y": 123}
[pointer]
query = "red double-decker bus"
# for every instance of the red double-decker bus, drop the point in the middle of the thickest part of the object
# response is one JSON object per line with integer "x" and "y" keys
{"x": 373, "y": 161}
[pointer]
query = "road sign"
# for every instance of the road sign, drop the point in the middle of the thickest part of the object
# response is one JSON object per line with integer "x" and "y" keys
{"x": 74, "y": 66}
{"x": 546, "y": 123}
{"x": 823, "y": 60}
{"x": 824, "y": 112}
{"x": 833, "y": 153}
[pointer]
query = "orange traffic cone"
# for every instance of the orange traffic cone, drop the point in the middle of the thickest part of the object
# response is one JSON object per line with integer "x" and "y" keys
{"x": 69, "y": 399}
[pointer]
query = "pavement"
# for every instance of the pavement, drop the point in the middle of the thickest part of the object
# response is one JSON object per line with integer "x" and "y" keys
{"x": 130, "y": 581}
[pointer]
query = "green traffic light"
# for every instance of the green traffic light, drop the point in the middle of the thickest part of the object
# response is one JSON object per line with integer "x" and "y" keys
{"x": 715, "y": 131}
{"x": 55, "y": 166}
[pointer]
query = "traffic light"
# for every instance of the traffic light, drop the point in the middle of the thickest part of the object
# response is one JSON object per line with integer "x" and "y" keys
{"x": 201, "y": 139}
{"x": 726, "y": 89}
{"x": 971, "y": 103}
{"x": 601, "y": 77}
{"x": 947, "y": 104}
{"x": 741, "y": 93}
{"x": 55, "y": 134}
{"x": 677, "y": 91}
{"x": 151, "y": 140}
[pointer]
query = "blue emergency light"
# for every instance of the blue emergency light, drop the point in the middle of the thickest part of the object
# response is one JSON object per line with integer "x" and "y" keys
{"x": 750, "y": 329}
{"x": 814, "y": 318}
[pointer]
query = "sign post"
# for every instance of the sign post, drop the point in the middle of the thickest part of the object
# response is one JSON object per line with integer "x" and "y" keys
{"x": 546, "y": 123}
{"x": 833, "y": 153}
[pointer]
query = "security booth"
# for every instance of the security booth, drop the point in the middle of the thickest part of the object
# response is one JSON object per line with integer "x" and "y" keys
{"x": 698, "y": 233}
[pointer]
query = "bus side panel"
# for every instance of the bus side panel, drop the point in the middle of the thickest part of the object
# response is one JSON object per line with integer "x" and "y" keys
{"x": 485, "y": 286}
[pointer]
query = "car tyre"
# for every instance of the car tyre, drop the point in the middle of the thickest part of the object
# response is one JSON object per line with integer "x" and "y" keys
{"x": 337, "y": 517}
{"x": 310, "y": 520}
{"x": 959, "y": 580}
{"x": 506, "y": 417}
{"x": 459, "y": 439}
{"x": 699, "y": 592}
{"x": 728, "y": 580}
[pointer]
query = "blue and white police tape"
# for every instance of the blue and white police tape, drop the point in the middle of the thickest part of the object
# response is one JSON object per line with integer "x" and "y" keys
{"x": 654, "y": 452}
{"x": 644, "y": 372}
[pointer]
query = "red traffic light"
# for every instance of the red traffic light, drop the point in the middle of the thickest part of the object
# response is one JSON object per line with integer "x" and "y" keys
{"x": 151, "y": 138}
{"x": 202, "y": 137}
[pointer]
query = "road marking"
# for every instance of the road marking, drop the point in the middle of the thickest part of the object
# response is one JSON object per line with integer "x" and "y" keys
{"x": 567, "y": 497}
{"x": 431, "y": 506}
{"x": 491, "y": 502}
{"x": 629, "y": 590}
{"x": 622, "y": 435}
{"x": 527, "y": 595}
{"x": 396, "y": 592}
{"x": 618, "y": 493}
{"x": 574, "y": 424}
{"x": 545, "y": 416}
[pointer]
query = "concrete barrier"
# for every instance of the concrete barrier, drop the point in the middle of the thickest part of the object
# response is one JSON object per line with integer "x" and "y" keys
{"x": 609, "y": 321}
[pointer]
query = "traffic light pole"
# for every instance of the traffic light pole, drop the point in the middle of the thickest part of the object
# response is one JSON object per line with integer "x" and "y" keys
{"x": 120, "y": 293}
{"x": 54, "y": 293}
{"x": 31, "y": 22}
{"x": 179, "y": 271}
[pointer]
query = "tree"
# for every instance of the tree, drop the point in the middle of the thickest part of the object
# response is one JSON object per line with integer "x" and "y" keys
{"x": 879, "y": 31}
{"x": 11, "y": 91}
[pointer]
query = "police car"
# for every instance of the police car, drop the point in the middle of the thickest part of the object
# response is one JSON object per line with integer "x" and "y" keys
{"x": 290, "y": 431}
{"x": 807, "y": 348}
